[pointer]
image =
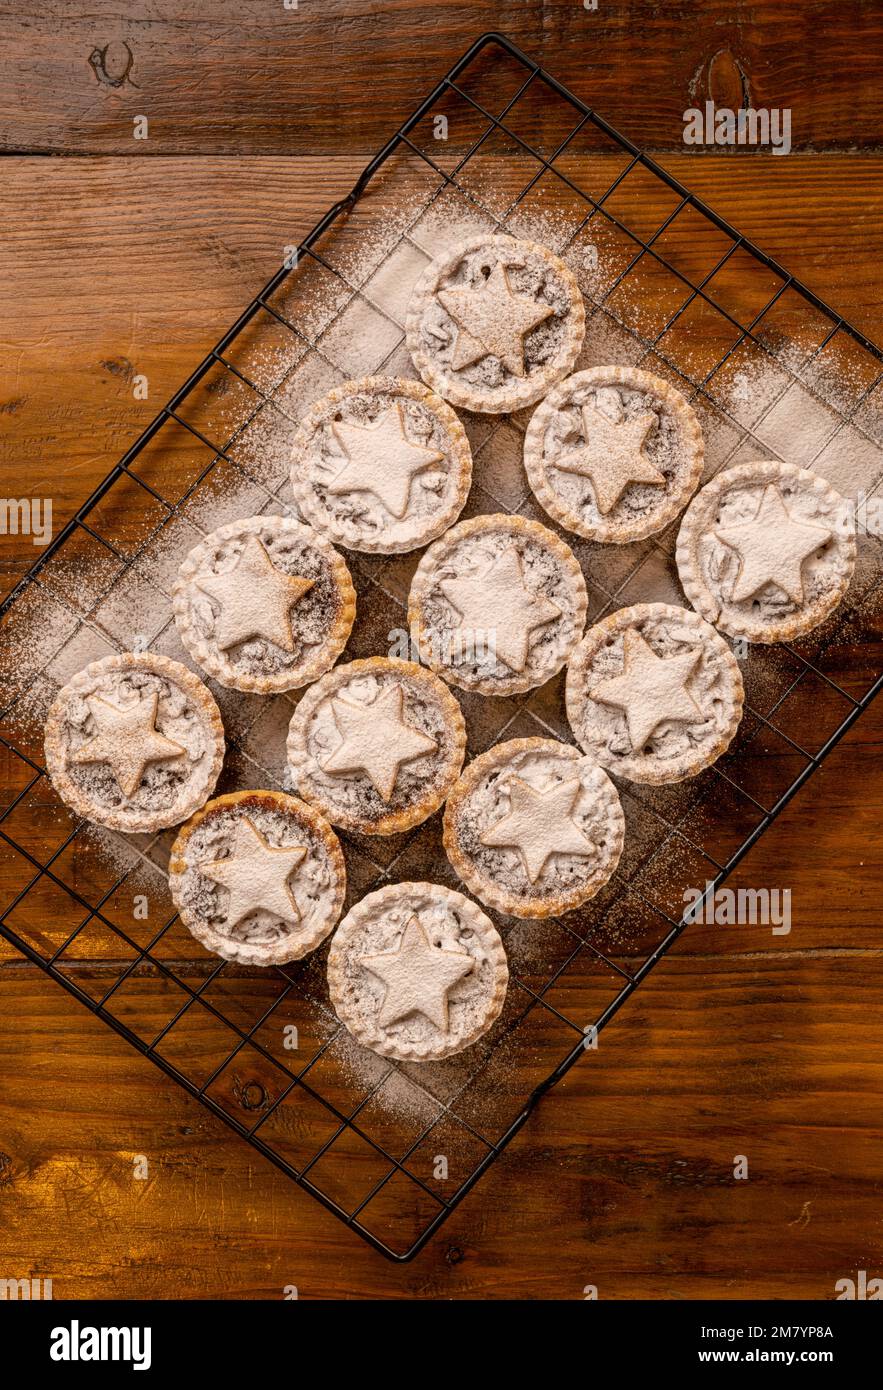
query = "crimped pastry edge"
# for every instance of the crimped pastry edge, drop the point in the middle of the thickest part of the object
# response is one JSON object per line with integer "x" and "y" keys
{"x": 221, "y": 669}
{"x": 241, "y": 952}
{"x": 484, "y": 888}
{"x": 502, "y": 399}
{"x": 296, "y": 745}
{"x": 521, "y": 525}
{"x": 689, "y": 573}
{"x": 373, "y": 1037}
{"x": 460, "y": 455}
{"x": 623, "y": 618}
{"x": 536, "y": 468}
{"x": 54, "y": 751}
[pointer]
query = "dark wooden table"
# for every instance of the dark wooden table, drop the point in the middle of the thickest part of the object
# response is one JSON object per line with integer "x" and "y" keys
{"x": 127, "y": 258}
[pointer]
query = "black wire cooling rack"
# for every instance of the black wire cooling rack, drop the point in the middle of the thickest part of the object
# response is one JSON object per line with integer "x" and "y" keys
{"x": 392, "y": 1149}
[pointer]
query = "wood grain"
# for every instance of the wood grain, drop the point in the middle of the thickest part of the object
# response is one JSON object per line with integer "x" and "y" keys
{"x": 741, "y": 1043}
{"x": 244, "y": 76}
{"x": 124, "y": 268}
{"x": 622, "y": 1179}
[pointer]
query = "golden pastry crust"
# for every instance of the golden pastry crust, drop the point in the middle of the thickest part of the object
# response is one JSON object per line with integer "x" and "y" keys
{"x": 129, "y": 816}
{"x": 396, "y": 536}
{"x": 492, "y": 766}
{"x": 516, "y": 392}
{"x": 517, "y": 532}
{"x": 621, "y": 524}
{"x": 195, "y": 629}
{"x": 721, "y": 691}
{"x": 356, "y": 1008}
{"x": 301, "y": 817}
{"x": 416, "y": 806}
{"x": 702, "y": 572}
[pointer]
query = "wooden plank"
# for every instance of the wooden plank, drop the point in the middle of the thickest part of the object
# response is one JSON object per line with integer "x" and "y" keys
{"x": 247, "y": 77}
{"x": 126, "y": 269}
{"x": 725, "y": 1051}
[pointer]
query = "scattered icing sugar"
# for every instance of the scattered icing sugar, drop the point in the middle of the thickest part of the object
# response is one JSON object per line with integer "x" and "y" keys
{"x": 118, "y": 854}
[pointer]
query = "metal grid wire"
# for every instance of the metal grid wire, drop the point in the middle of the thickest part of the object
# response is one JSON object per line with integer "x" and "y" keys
{"x": 262, "y": 1050}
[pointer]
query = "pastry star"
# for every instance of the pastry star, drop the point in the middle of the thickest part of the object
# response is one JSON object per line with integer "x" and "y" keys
{"x": 497, "y": 603}
{"x": 376, "y": 740}
{"x": 255, "y": 598}
{"x": 539, "y": 825}
{"x": 772, "y": 547}
{"x": 492, "y": 321}
{"x": 417, "y": 977}
{"x": 651, "y": 688}
{"x": 612, "y": 456}
{"x": 381, "y": 459}
{"x": 255, "y": 875}
{"x": 127, "y": 740}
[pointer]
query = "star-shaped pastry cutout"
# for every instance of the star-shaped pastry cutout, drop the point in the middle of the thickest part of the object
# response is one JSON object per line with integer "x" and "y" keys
{"x": 772, "y": 548}
{"x": 492, "y": 321}
{"x": 651, "y": 688}
{"x": 255, "y": 598}
{"x": 127, "y": 739}
{"x": 539, "y": 825}
{"x": 256, "y": 875}
{"x": 375, "y": 739}
{"x": 612, "y": 456}
{"x": 496, "y": 602}
{"x": 381, "y": 459}
{"x": 418, "y": 977}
